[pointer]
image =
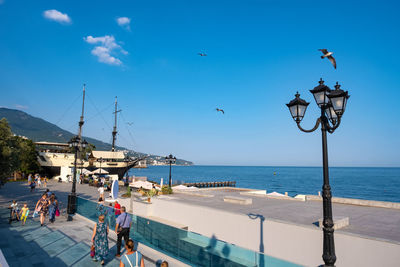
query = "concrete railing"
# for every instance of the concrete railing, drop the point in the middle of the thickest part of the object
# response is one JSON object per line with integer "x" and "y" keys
{"x": 358, "y": 202}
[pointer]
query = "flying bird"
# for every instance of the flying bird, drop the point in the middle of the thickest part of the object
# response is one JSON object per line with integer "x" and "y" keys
{"x": 202, "y": 54}
{"x": 220, "y": 110}
{"x": 329, "y": 56}
{"x": 129, "y": 123}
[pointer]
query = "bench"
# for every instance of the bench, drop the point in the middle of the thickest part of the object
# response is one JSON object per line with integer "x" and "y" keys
{"x": 238, "y": 200}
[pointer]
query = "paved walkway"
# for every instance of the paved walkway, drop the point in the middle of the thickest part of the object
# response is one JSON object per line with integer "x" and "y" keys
{"x": 60, "y": 244}
{"x": 380, "y": 223}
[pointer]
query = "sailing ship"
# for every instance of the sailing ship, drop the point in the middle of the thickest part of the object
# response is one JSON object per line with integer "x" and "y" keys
{"x": 56, "y": 159}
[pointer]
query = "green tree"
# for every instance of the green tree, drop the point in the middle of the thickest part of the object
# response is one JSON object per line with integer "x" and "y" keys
{"x": 16, "y": 153}
{"x": 7, "y": 152}
{"x": 27, "y": 156}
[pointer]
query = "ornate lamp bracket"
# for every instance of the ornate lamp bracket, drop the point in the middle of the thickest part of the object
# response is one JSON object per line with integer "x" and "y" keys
{"x": 317, "y": 123}
{"x": 332, "y": 128}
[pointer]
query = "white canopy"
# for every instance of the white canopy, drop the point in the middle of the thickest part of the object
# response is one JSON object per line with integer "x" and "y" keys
{"x": 185, "y": 188}
{"x": 85, "y": 171}
{"x": 99, "y": 171}
{"x": 143, "y": 184}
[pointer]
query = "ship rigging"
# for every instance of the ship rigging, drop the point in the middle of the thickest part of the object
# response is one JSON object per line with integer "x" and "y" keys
{"x": 56, "y": 160}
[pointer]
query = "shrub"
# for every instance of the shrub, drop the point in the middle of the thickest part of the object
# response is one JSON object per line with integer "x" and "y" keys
{"x": 166, "y": 190}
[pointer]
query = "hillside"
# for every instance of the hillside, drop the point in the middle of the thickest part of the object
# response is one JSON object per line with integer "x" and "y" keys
{"x": 38, "y": 129}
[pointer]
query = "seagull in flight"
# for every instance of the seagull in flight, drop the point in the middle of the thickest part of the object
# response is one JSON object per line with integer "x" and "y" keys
{"x": 130, "y": 123}
{"x": 329, "y": 56}
{"x": 202, "y": 54}
{"x": 220, "y": 110}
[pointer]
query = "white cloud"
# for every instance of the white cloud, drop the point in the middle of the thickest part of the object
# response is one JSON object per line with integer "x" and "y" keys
{"x": 124, "y": 22}
{"x": 107, "y": 46}
{"x": 56, "y": 15}
{"x": 18, "y": 106}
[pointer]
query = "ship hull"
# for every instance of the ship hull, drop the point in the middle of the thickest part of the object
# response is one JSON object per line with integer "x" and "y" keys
{"x": 53, "y": 162}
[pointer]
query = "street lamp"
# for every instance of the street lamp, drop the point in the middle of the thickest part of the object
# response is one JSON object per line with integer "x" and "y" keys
{"x": 127, "y": 160}
{"x": 170, "y": 159}
{"x": 100, "y": 160}
{"x": 332, "y": 104}
{"x": 75, "y": 143}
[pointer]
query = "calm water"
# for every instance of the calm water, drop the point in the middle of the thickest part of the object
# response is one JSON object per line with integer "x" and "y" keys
{"x": 363, "y": 183}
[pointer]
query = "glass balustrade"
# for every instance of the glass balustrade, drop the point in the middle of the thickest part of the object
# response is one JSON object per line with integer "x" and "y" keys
{"x": 186, "y": 246}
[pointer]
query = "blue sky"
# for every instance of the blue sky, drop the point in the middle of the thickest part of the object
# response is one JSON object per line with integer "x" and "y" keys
{"x": 259, "y": 54}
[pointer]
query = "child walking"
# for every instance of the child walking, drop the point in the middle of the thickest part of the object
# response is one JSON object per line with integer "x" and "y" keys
{"x": 24, "y": 214}
{"x": 14, "y": 210}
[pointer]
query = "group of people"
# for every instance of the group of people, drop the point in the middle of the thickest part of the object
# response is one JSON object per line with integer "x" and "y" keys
{"x": 48, "y": 203}
{"x": 123, "y": 224}
{"x": 18, "y": 214}
{"x": 36, "y": 180}
{"x": 132, "y": 257}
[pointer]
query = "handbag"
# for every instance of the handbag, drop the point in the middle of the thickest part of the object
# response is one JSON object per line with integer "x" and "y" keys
{"x": 119, "y": 226}
{"x": 35, "y": 214}
{"x": 57, "y": 212}
{"x": 92, "y": 251}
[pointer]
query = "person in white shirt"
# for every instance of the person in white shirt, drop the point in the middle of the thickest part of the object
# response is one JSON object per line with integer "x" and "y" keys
{"x": 101, "y": 191}
{"x": 14, "y": 210}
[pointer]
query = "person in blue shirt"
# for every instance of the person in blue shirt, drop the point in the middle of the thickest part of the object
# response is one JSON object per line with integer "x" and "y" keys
{"x": 122, "y": 227}
{"x": 132, "y": 257}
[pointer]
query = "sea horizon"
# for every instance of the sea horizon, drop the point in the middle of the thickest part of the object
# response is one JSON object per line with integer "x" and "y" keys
{"x": 286, "y": 166}
{"x": 370, "y": 183}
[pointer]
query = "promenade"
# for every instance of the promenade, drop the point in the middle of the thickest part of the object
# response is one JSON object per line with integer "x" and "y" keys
{"x": 371, "y": 222}
{"x": 286, "y": 222}
{"x": 64, "y": 243}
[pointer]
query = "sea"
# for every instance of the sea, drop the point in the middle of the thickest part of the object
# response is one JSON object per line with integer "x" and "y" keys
{"x": 370, "y": 183}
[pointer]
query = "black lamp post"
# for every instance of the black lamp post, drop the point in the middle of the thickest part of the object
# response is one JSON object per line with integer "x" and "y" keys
{"x": 127, "y": 160}
{"x": 75, "y": 143}
{"x": 170, "y": 159}
{"x": 100, "y": 160}
{"x": 332, "y": 104}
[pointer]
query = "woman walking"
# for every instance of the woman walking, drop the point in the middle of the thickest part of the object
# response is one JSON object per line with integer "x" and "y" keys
{"x": 132, "y": 258}
{"x": 42, "y": 207}
{"x": 52, "y": 208}
{"x": 100, "y": 240}
{"x": 101, "y": 209}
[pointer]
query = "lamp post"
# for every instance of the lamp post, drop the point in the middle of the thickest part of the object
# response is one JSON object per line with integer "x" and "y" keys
{"x": 75, "y": 143}
{"x": 100, "y": 160}
{"x": 332, "y": 104}
{"x": 127, "y": 160}
{"x": 170, "y": 159}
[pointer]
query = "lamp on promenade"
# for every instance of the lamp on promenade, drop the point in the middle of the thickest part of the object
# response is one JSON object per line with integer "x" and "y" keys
{"x": 100, "y": 160}
{"x": 170, "y": 159}
{"x": 332, "y": 104}
{"x": 127, "y": 160}
{"x": 75, "y": 143}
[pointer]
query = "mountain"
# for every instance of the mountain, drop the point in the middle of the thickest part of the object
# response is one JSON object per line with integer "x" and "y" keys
{"x": 38, "y": 129}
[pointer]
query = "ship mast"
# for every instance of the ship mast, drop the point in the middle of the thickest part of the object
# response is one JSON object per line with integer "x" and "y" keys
{"x": 114, "y": 132}
{"x": 81, "y": 122}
